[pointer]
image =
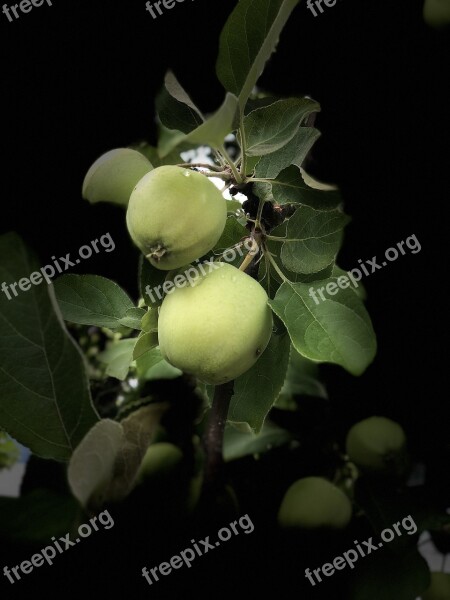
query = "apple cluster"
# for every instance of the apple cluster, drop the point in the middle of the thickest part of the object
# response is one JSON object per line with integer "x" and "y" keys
{"x": 218, "y": 326}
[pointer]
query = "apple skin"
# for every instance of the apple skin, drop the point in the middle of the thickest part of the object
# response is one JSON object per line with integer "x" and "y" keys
{"x": 314, "y": 503}
{"x": 175, "y": 216}
{"x": 216, "y": 328}
{"x": 439, "y": 588}
{"x": 377, "y": 444}
{"x": 160, "y": 459}
{"x": 114, "y": 175}
{"x": 437, "y": 13}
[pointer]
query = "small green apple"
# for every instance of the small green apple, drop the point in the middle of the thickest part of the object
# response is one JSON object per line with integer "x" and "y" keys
{"x": 377, "y": 444}
{"x": 439, "y": 588}
{"x": 114, "y": 175}
{"x": 313, "y": 503}
{"x": 216, "y": 328}
{"x": 159, "y": 460}
{"x": 437, "y": 12}
{"x": 175, "y": 216}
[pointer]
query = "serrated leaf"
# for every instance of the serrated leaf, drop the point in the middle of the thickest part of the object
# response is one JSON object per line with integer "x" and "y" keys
{"x": 237, "y": 444}
{"x": 256, "y": 390}
{"x": 211, "y": 133}
{"x": 92, "y": 300}
{"x": 118, "y": 357}
{"x": 337, "y": 330}
{"x": 145, "y": 342}
{"x": 247, "y": 41}
{"x": 45, "y": 402}
{"x": 293, "y": 153}
{"x": 313, "y": 239}
{"x": 175, "y": 108}
{"x": 270, "y": 128}
{"x": 104, "y": 466}
{"x": 290, "y": 188}
{"x": 133, "y": 318}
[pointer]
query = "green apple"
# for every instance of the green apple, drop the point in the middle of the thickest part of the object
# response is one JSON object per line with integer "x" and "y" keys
{"x": 313, "y": 503}
{"x": 216, "y": 328}
{"x": 114, "y": 175}
{"x": 159, "y": 460}
{"x": 175, "y": 216}
{"x": 377, "y": 444}
{"x": 437, "y": 12}
{"x": 439, "y": 588}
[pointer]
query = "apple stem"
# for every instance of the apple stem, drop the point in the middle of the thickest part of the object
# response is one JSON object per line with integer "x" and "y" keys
{"x": 213, "y": 437}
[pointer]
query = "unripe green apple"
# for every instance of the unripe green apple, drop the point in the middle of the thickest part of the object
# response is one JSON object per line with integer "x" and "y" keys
{"x": 439, "y": 588}
{"x": 114, "y": 175}
{"x": 313, "y": 503}
{"x": 159, "y": 460}
{"x": 437, "y": 12}
{"x": 216, "y": 328}
{"x": 377, "y": 444}
{"x": 175, "y": 216}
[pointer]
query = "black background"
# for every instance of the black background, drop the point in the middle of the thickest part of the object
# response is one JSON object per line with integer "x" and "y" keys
{"x": 80, "y": 78}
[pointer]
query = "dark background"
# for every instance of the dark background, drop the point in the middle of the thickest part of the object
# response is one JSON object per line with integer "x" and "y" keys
{"x": 80, "y": 79}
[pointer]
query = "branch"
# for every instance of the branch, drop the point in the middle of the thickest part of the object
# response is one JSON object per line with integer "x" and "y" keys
{"x": 213, "y": 437}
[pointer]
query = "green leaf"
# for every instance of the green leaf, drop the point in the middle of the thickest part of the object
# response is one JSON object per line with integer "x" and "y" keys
{"x": 114, "y": 175}
{"x": 146, "y": 342}
{"x": 175, "y": 108}
{"x": 133, "y": 318}
{"x": 289, "y": 187}
{"x": 150, "y": 320}
{"x": 150, "y": 279}
{"x": 211, "y": 133}
{"x": 93, "y": 300}
{"x": 35, "y": 517}
{"x": 45, "y": 403}
{"x": 91, "y": 468}
{"x": 256, "y": 390}
{"x": 118, "y": 357}
{"x": 237, "y": 444}
{"x": 270, "y": 128}
{"x": 302, "y": 377}
{"x": 293, "y": 153}
{"x": 232, "y": 235}
{"x": 313, "y": 239}
{"x": 247, "y": 41}
{"x": 152, "y": 366}
{"x": 337, "y": 330}
{"x": 104, "y": 466}
{"x": 151, "y": 153}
